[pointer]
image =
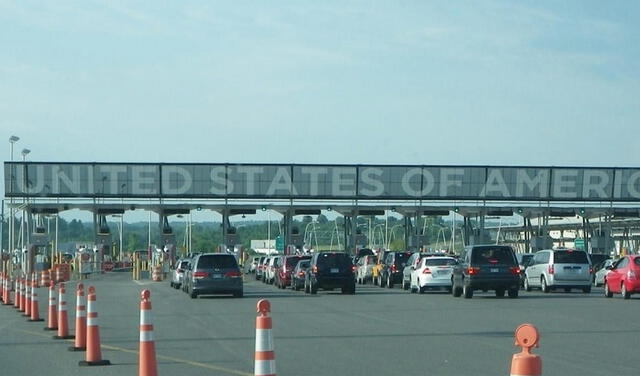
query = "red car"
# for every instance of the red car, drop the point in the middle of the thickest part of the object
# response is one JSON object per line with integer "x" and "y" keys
{"x": 283, "y": 274}
{"x": 623, "y": 277}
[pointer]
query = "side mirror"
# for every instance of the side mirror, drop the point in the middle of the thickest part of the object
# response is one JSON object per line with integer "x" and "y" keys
{"x": 609, "y": 267}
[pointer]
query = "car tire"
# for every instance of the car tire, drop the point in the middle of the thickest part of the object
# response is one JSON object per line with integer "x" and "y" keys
{"x": 623, "y": 290}
{"x": 467, "y": 291}
{"x": 306, "y": 288}
{"x": 587, "y": 290}
{"x": 513, "y": 293}
{"x": 527, "y": 286}
{"x": 193, "y": 295}
{"x": 238, "y": 294}
{"x": 380, "y": 282}
{"x": 389, "y": 282}
{"x": 607, "y": 292}
{"x": 171, "y": 284}
{"x": 567, "y": 289}
{"x": 313, "y": 289}
{"x": 499, "y": 293}
{"x": 405, "y": 285}
{"x": 543, "y": 285}
{"x": 421, "y": 289}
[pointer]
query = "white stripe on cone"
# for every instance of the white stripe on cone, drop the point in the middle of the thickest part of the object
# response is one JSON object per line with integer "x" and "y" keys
{"x": 265, "y": 367}
{"x": 146, "y": 336}
{"x": 264, "y": 341}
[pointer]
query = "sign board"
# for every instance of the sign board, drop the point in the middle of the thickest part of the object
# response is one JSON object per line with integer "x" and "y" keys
{"x": 578, "y": 243}
{"x": 279, "y": 243}
{"x": 291, "y": 181}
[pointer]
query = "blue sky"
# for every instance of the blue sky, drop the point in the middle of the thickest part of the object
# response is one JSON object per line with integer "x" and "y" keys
{"x": 420, "y": 82}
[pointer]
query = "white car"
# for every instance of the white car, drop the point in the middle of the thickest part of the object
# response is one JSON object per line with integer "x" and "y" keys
{"x": 365, "y": 268}
{"x": 598, "y": 277}
{"x": 272, "y": 267}
{"x": 432, "y": 272}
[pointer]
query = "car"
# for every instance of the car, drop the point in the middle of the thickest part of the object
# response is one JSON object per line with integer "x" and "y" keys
{"x": 330, "y": 270}
{"x": 361, "y": 253}
{"x": 177, "y": 274}
{"x": 255, "y": 261}
{"x": 600, "y": 271}
{"x": 392, "y": 267}
{"x": 523, "y": 260}
{"x": 623, "y": 277}
{"x": 412, "y": 263}
{"x": 270, "y": 270}
{"x": 432, "y": 273}
{"x": 214, "y": 273}
{"x": 284, "y": 271}
{"x": 375, "y": 271}
{"x": 559, "y": 268}
{"x": 261, "y": 267}
{"x": 299, "y": 274}
{"x": 597, "y": 258}
{"x": 364, "y": 268}
{"x": 486, "y": 267}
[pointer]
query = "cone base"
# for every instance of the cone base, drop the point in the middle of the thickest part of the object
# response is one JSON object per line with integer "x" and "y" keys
{"x": 64, "y": 337}
{"x": 73, "y": 348}
{"x": 25, "y": 315}
{"x": 8, "y": 303}
{"x": 49, "y": 328}
{"x": 84, "y": 363}
{"x": 34, "y": 320}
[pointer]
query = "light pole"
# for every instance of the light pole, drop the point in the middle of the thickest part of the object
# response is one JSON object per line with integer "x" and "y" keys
{"x": 11, "y": 237}
{"x": 120, "y": 230}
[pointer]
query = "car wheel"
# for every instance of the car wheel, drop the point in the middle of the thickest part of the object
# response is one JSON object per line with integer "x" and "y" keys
{"x": 467, "y": 291}
{"x": 405, "y": 285}
{"x": 607, "y": 292}
{"x": 567, "y": 289}
{"x": 389, "y": 282}
{"x": 500, "y": 293}
{"x": 313, "y": 289}
{"x": 624, "y": 292}
{"x": 193, "y": 294}
{"x": 543, "y": 285}
{"x": 306, "y": 287}
{"x": 527, "y": 286}
{"x": 513, "y": 293}
{"x": 171, "y": 284}
{"x": 238, "y": 294}
{"x": 421, "y": 289}
{"x": 380, "y": 281}
{"x": 586, "y": 290}
{"x": 455, "y": 290}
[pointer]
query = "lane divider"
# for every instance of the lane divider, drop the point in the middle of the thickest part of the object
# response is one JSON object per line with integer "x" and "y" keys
{"x": 265, "y": 360}
{"x": 525, "y": 363}
{"x": 80, "y": 343}
{"x": 94, "y": 354}
{"x": 35, "y": 310}
{"x": 52, "y": 313}
{"x": 147, "y": 364}
{"x": 63, "y": 319}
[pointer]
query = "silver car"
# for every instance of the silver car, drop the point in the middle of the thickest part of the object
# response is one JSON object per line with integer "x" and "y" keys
{"x": 559, "y": 268}
{"x": 214, "y": 273}
{"x": 177, "y": 274}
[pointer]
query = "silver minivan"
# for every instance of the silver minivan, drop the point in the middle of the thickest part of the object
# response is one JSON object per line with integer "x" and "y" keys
{"x": 563, "y": 268}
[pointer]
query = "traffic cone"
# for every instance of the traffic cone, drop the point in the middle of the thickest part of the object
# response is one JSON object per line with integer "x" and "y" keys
{"x": 16, "y": 292}
{"x": 93, "y": 355}
{"x": 147, "y": 365}
{"x": 81, "y": 321}
{"x": 3, "y": 289}
{"x": 27, "y": 295}
{"x": 35, "y": 310}
{"x": 22, "y": 297}
{"x": 526, "y": 363}
{"x": 265, "y": 360}
{"x": 52, "y": 313}
{"x": 6, "y": 297}
{"x": 63, "y": 319}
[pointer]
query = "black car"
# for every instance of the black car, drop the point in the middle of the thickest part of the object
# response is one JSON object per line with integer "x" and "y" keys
{"x": 486, "y": 267}
{"x": 330, "y": 270}
{"x": 214, "y": 273}
{"x": 392, "y": 268}
{"x": 299, "y": 274}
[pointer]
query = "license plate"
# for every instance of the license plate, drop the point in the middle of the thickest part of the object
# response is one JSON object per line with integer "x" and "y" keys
{"x": 335, "y": 270}
{"x": 217, "y": 275}
{"x": 495, "y": 270}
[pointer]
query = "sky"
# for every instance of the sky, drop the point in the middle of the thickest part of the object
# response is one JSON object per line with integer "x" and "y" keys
{"x": 391, "y": 82}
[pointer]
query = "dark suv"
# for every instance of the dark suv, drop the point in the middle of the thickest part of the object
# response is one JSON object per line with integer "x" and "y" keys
{"x": 392, "y": 268}
{"x": 214, "y": 273}
{"x": 329, "y": 270}
{"x": 486, "y": 267}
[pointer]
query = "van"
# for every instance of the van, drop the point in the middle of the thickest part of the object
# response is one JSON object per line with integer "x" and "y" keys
{"x": 562, "y": 268}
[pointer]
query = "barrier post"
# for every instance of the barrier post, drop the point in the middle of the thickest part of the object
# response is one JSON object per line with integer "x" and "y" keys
{"x": 147, "y": 365}
{"x": 265, "y": 360}
{"x": 525, "y": 363}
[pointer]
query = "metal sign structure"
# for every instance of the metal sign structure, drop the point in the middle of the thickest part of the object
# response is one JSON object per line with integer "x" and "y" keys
{"x": 294, "y": 181}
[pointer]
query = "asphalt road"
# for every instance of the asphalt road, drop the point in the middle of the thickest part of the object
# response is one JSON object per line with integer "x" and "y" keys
{"x": 376, "y": 332}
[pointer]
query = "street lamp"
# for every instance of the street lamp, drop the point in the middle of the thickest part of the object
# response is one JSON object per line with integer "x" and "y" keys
{"x": 11, "y": 239}
{"x": 25, "y": 152}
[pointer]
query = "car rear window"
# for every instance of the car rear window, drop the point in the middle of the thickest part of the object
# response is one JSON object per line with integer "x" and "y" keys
{"x": 401, "y": 257}
{"x": 440, "y": 262}
{"x": 305, "y": 264}
{"x": 292, "y": 261}
{"x": 492, "y": 255}
{"x": 333, "y": 260}
{"x": 217, "y": 262}
{"x": 183, "y": 264}
{"x": 570, "y": 257}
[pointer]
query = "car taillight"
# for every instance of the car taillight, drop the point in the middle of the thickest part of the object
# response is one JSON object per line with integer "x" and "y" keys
{"x": 300, "y": 274}
{"x": 394, "y": 268}
{"x": 591, "y": 270}
{"x": 354, "y": 268}
{"x": 426, "y": 271}
{"x": 631, "y": 274}
{"x": 473, "y": 270}
{"x": 233, "y": 274}
{"x": 199, "y": 275}
{"x": 314, "y": 269}
{"x": 551, "y": 269}
{"x": 514, "y": 270}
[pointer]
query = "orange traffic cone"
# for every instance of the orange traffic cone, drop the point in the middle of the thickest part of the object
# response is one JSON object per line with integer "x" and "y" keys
{"x": 52, "y": 313}
{"x": 17, "y": 298}
{"x": 63, "y": 319}
{"x": 526, "y": 363}
{"x": 93, "y": 355}
{"x": 81, "y": 321}
{"x": 27, "y": 294}
{"x": 3, "y": 281}
{"x": 35, "y": 309}
{"x": 6, "y": 295}
{"x": 265, "y": 360}
{"x": 22, "y": 294}
{"x": 45, "y": 278}
{"x": 147, "y": 365}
